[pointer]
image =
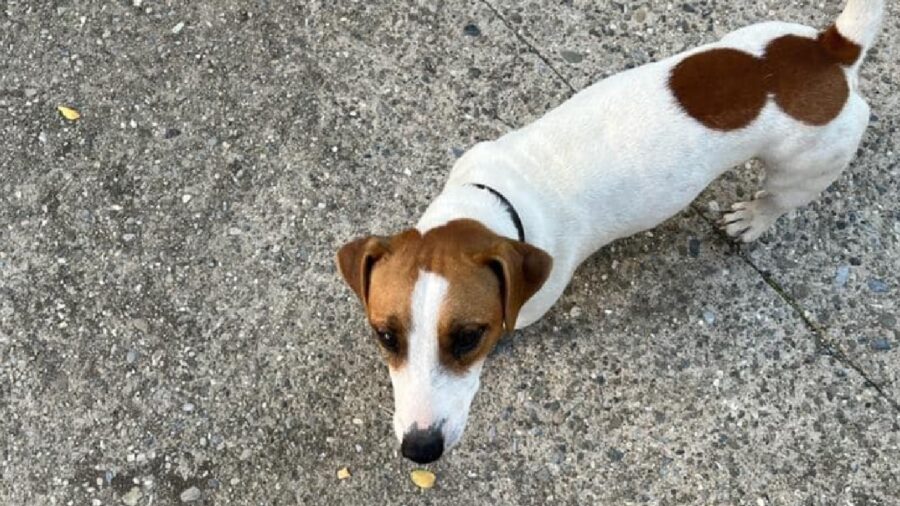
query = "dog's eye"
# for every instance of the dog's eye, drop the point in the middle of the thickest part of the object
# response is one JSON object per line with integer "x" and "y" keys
{"x": 387, "y": 339}
{"x": 467, "y": 340}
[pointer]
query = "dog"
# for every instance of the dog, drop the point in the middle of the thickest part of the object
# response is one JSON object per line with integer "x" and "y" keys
{"x": 495, "y": 250}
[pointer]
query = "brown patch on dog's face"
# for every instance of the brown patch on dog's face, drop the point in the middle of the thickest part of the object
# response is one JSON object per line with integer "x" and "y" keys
{"x": 489, "y": 279}
{"x": 726, "y": 89}
{"x": 471, "y": 319}
{"x": 392, "y": 280}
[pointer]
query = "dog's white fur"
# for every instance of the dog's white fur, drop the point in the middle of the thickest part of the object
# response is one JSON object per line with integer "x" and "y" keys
{"x": 618, "y": 158}
{"x": 621, "y": 157}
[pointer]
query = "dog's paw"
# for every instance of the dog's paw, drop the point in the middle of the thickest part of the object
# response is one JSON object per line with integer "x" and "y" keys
{"x": 747, "y": 221}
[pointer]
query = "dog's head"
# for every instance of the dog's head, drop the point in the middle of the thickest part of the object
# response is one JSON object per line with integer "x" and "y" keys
{"x": 438, "y": 302}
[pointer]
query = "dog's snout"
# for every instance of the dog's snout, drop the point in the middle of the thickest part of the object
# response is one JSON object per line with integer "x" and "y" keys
{"x": 423, "y": 446}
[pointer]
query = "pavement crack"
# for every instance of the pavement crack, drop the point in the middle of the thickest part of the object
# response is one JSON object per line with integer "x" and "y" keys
{"x": 531, "y": 47}
{"x": 819, "y": 332}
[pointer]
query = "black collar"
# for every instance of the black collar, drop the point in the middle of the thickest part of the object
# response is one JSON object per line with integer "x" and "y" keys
{"x": 509, "y": 208}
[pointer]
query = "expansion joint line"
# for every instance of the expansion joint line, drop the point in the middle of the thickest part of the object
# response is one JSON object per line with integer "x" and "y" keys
{"x": 821, "y": 335}
{"x": 530, "y": 46}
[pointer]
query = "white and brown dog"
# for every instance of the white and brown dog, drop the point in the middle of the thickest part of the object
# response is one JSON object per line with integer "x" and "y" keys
{"x": 498, "y": 246}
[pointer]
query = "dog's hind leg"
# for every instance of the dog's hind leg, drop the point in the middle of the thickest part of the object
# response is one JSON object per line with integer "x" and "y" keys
{"x": 798, "y": 170}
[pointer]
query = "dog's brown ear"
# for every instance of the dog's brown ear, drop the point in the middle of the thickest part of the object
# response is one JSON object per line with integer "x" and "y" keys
{"x": 355, "y": 261}
{"x": 522, "y": 270}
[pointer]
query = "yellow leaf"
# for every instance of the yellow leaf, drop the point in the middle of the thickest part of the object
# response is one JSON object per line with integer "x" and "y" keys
{"x": 423, "y": 478}
{"x": 69, "y": 113}
{"x": 343, "y": 473}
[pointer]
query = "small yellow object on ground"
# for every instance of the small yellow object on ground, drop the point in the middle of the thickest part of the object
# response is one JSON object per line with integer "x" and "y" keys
{"x": 343, "y": 473}
{"x": 423, "y": 478}
{"x": 69, "y": 113}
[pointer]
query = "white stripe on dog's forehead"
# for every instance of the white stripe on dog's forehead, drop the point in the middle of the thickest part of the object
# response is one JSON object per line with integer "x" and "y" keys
{"x": 414, "y": 383}
{"x": 427, "y": 298}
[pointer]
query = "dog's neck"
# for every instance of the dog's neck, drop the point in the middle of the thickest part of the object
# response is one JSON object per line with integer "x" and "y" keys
{"x": 547, "y": 221}
{"x": 468, "y": 201}
{"x": 463, "y": 200}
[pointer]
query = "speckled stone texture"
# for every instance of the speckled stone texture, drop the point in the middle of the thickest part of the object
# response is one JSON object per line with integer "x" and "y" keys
{"x": 172, "y": 329}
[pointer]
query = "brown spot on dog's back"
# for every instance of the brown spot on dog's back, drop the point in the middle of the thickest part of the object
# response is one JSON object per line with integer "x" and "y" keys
{"x": 839, "y": 48}
{"x": 722, "y": 88}
{"x": 807, "y": 83}
{"x": 726, "y": 89}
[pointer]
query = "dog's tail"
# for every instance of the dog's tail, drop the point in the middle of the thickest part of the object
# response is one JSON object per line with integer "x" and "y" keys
{"x": 854, "y": 32}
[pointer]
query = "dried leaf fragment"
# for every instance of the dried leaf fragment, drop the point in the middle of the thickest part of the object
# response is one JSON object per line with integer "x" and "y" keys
{"x": 69, "y": 113}
{"x": 423, "y": 478}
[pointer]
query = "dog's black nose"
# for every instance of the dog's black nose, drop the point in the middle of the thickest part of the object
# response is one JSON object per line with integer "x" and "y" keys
{"x": 423, "y": 446}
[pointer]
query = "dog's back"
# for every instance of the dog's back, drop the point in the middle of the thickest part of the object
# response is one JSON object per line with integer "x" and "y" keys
{"x": 783, "y": 92}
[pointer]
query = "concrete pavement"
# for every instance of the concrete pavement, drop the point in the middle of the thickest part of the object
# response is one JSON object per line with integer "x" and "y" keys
{"x": 172, "y": 329}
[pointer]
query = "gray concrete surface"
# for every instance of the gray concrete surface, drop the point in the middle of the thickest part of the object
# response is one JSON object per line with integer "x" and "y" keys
{"x": 172, "y": 327}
